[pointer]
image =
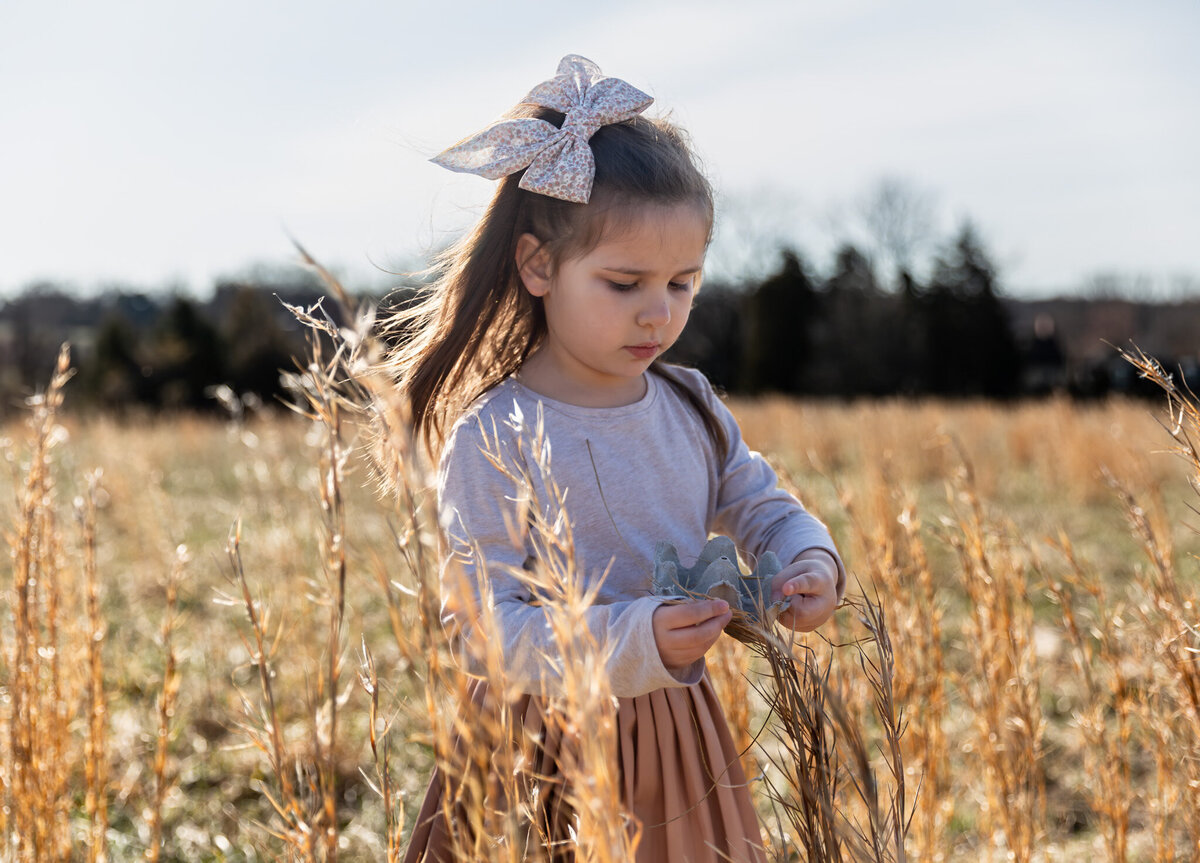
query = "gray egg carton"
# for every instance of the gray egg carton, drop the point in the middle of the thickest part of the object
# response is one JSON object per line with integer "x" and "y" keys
{"x": 716, "y": 575}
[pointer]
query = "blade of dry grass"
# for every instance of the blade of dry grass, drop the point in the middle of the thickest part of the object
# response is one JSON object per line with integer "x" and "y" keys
{"x": 95, "y": 760}
{"x": 168, "y": 695}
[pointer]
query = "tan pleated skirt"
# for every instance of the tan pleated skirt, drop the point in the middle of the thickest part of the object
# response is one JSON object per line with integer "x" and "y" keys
{"x": 681, "y": 779}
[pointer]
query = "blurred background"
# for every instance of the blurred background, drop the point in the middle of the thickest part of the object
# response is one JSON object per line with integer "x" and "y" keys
{"x": 928, "y": 198}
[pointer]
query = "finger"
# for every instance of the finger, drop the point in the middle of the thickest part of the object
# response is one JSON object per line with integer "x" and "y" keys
{"x": 817, "y": 599}
{"x": 700, "y": 636}
{"x": 689, "y": 614}
{"x": 801, "y": 583}
{"x": 808, "y": 611}
{"x": 815, "y": 580}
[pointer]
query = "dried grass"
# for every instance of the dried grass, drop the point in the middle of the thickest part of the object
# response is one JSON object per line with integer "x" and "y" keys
{"x": 1022, "y": 683}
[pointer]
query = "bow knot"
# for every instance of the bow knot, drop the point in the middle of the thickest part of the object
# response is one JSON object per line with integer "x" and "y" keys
{"x": 582, "y": 123}
{"x": 558, "y": 161}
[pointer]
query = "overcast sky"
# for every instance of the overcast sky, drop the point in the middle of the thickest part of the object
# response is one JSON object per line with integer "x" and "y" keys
{"x": 157, "y": 143}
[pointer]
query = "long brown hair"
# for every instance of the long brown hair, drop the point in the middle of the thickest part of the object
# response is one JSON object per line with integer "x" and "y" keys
{"x": 475, "y": 323}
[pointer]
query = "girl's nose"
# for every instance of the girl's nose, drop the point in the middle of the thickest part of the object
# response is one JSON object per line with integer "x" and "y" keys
{"x": 656, "y": 313}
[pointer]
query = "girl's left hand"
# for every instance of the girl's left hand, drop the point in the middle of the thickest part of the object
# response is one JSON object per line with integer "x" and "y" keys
{"x": 811, "y": 582}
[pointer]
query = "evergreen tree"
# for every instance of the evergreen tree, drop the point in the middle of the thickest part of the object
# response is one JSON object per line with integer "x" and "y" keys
{"x": 712, "y": 340}
{"x": 259, "y": 348}
{"x": 113, "y": 375}
{"x": 778, "y": 319}
{"x": 910, "y": 333}
{"x": 971, "y": 349}
{"x": 849, "y": 360}
{"x": 187, "y": 357}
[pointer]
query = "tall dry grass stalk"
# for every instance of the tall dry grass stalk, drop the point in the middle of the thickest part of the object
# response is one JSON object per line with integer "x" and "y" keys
{"x": 379, "y": 730}
{"x": 1133, "y": 650}
{"x": 166, "y": 701}
{"x": 305, "y": 797}
{"x": 261, "y": 720}
{"x": 1169, "y": 612}
{"x": 1002, "y": 683}
{"x": 835, "y": 734}
{"x": 1101, "y": 653}
{"x": 729, "y": 669}
{"x": 1168, "y": 706}
{"x": 923, "y": 682}
{"x": 47, "y": 665}
{"x": 320, "y": 400}
{"x": 842, "y": 794}
{"x": 53, "y": 672}
{"x": 95, "y": 761}
{"x": 890, "y": 545}
{"x": 55, "y": 757}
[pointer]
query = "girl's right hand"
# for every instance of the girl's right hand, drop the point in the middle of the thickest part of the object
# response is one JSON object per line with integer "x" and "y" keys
{"x": 685, "y": 631}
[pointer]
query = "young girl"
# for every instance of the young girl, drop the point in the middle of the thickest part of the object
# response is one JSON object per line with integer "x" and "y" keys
{"x": 556, "y": 309}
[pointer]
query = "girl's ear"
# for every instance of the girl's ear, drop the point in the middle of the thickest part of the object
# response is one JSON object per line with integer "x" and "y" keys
{"x": 533, "y": 264}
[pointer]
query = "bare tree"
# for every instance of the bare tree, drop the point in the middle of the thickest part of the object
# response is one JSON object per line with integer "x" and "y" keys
{"x": 899, "y": 222}
{"x": 752, "y": 227}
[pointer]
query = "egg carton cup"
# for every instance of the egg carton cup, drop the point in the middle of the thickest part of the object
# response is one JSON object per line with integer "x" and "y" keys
{"x": 717, "y": 575}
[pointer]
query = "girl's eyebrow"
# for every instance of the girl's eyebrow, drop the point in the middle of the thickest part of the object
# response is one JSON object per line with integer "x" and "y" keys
{"x": 634, "y": 271}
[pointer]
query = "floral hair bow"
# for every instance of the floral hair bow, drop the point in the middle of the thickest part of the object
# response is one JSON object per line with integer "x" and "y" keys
{"x": 559, "y": 161}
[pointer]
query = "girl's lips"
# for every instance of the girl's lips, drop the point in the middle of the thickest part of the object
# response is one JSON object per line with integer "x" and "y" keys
{"x": 643, "y": 352}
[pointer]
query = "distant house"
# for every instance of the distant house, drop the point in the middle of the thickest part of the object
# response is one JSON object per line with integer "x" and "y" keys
{"x": 1089, "y": 333}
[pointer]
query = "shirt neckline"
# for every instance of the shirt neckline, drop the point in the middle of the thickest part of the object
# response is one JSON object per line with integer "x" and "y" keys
{"x": 581, "y": 412}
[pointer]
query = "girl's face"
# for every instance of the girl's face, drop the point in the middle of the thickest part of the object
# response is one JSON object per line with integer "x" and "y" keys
{"x": 612, "y": 310}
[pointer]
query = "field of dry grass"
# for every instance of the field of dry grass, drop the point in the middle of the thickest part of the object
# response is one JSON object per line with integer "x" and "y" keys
{"x": 215, "y": 640}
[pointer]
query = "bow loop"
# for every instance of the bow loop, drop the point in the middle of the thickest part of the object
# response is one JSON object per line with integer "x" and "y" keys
{"x": 503, "y": 148}
{"x": 559, "y": 162}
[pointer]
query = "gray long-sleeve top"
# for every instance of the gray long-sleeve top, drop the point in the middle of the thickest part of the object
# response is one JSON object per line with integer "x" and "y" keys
{"x": 629, "y": 477}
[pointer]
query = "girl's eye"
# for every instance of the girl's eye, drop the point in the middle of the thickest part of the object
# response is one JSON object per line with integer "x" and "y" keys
{"x": 624, "y": 287}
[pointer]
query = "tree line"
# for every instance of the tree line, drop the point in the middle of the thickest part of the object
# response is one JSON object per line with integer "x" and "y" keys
{"x": 844, "y": 334}
{"x": 795, "y": 331}
{"x": 145, "y": 351}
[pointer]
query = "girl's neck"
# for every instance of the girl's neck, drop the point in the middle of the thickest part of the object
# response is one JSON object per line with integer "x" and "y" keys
{"x": 545, "y": 379}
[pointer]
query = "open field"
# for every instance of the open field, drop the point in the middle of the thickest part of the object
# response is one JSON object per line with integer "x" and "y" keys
{"x": 1040, "y": 662}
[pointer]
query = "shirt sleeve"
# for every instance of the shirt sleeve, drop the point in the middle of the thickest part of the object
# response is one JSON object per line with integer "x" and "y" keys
{"x": 479, "y": 509}
{"x": 753, "y": 509}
